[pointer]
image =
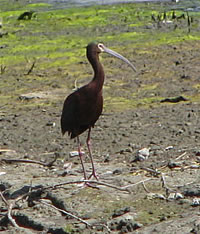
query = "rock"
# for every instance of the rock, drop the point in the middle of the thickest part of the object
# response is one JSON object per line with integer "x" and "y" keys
{"x": 53, "y": 124}
{"x": 175, "y": 196}
{"x": 191, "y": 191}
{"x": 107, "y": 158}
{"x": 30, "y": 96}
{"x": 4, "y": 186}
{"x": 2, "y": 173}
{"x": 80, "y": 226}
{"x": 143, "y": 154}
{"x": 196, "y": 228}
{"x": 196, "y": 202}
{"x": 67, "y": 167}
{"x": 163, "y": 218}
{"x": 128, "y": 150}
{"x": 120, "y": 212}
{"x": 117, "y": 171}
{"x": 155, "y": 196}
{"x": 185, "y": 201}
{"x": 126, "y": 226}
{"x": 170, "y": 147}
{"x": 75, "y": 153}
{"x": 55, "y": 230}
{"x": 194, "y": 166}
{"x": 173, "y": 164}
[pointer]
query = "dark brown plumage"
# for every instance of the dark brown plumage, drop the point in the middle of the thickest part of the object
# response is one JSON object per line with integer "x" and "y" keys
{"x": 83, "y": 107}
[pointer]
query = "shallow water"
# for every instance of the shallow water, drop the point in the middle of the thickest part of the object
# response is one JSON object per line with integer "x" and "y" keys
{"x": 188, "y": 5}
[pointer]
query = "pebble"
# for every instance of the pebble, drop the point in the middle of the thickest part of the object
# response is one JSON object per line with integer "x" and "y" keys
{"x": 175, "y": 196}
{"x": 196, "y": 202}
{"x": 197, "y": 152}
{"x": 117, "y": 171}
{"x": 155, "y": 195}
{"x": 173, "y": 164}
{"x": 143, "y": 154}
{"x": 2, "y": 173}
{"x": 107, "y": 158}
{"x": 169, "y": 147}
{"x": 75, "y": 153}
{"x": 53, "y": 124}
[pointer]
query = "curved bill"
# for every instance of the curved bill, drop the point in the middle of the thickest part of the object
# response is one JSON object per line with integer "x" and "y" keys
{"x": 109, "y": 51}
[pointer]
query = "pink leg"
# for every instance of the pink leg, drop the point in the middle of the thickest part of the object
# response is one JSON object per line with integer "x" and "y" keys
{"x": 80, "y": 156}
{"x": 90, "y": 154}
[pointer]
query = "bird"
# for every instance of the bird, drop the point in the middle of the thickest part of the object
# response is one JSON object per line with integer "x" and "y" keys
{"x": 83, "y": 107}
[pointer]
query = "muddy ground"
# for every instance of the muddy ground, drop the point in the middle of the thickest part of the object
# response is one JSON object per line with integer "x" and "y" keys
{"x": 163, "y": 189}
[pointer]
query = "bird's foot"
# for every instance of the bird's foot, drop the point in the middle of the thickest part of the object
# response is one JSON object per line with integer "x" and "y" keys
{"x": 93, "y": 175}
{"x": 87, "y": 184}
{"x": 90, "y": 185}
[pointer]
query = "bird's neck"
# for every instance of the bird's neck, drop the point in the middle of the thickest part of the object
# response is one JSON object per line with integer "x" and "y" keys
{"x": 98, "y": 79}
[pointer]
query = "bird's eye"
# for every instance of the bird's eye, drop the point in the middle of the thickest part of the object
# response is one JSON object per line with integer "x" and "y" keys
{"x": 101, "y": 47}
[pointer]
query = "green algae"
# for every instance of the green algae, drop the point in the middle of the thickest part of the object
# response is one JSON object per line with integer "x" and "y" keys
{"x": 57, "y": 39}
{"x": 38, "y": 5}
{"x": 41, "y": 45}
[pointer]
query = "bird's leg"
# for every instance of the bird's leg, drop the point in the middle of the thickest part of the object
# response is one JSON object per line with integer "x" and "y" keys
{"x": 90, "y": 154}
{"x": 84, "y": 172}
{"x": 80, "y": 156}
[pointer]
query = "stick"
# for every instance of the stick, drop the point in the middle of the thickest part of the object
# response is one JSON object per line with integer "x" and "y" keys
{"x": 89, "y": 181}
{"x": 151, "y": 170}
{"x": 65, "y": 212}
{"x": 31, "y": 68}
{"x": 145, "y": 188}
{"x": 3, "y": 199}
{"x": 30, "y": 161}
{"x": 180, "y": 156}
{"x": 139, "y": 182}
{"x": 7, "y": 150}
{"x": 164, "y": 184}
{"x": 10, "y": 206}
{"x": 10, "y": 216}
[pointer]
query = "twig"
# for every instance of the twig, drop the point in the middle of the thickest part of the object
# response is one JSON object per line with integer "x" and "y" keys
{"x": 65, "y": 212}
{"x": 31, "y": 68}
{"x": 3, "y": 199}
{"x": 145, "y": 188}
{"x": 10, "y": 216}
{"x": 180, "y": 156}
{"x": 30, "y": 161}
{"x": 10, "y": 206}
{"x": 139, "y": 182}
{"x": 155, "y": 172}
{"x": 90, "y": 182}
{"x": 75, "y": 85}
{"x": 7, "y": 150}
{"x": 164, "y": 184}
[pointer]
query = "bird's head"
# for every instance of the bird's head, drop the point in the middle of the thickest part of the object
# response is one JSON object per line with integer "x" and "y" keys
{"x": 96, "y": 48}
